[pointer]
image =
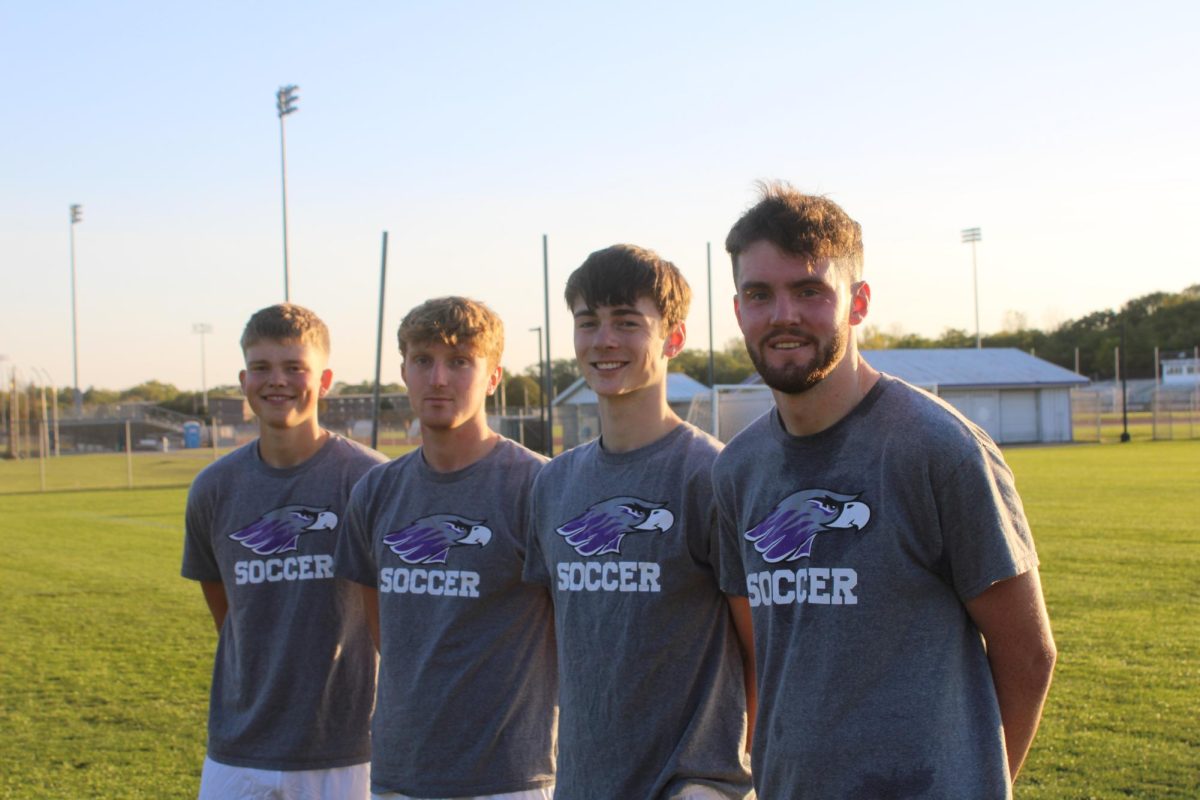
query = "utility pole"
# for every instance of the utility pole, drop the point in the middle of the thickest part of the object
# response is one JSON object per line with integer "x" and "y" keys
{"x": 203, "y": 328}
{"x": 973, "y": 235}
{"x": 76, "y": 217}
{"x": 285, "y": 103}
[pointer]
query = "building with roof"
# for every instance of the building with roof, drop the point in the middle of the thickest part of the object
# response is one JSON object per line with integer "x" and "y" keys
{"x": 577, "y": 409}
{"x": 1179, "y": 370}
{"x": 1014, "y": 396}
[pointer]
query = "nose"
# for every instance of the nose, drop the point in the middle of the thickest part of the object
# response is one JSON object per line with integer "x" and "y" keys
{"x": 606, "y": 336}
{"x": 438, "y": 374}
{"x": 785, "y": 310}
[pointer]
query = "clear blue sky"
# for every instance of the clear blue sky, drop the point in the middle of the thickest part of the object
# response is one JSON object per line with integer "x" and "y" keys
{"x": 1067, "y": 131}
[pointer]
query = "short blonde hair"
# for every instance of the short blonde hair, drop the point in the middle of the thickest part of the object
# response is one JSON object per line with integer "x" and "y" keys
{"x": 454, "y": 321}
{"x": 286, "y": 322}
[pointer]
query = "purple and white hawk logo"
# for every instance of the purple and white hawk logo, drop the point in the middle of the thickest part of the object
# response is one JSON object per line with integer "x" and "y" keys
{"x": 428, "y": 539}
{"x": 601, "y": 528}
{"x": 277, "y": 531}
{"x": 787, "y": 533}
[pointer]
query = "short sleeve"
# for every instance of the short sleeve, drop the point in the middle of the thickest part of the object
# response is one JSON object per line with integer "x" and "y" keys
{"x": 731, "y": 573}
{"x": 985, "y": 535}
{"x": 352, "y": 557}
{"x": 534, "y": 570}
{"x": 199, "y": 558}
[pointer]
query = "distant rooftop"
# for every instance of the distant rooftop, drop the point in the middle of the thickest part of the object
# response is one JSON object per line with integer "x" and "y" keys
{"x": 968, "y": 366}
{"x": 947, "y": 368}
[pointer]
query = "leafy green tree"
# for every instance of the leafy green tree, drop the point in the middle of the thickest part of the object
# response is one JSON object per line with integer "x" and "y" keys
{"x": 731, "y": 364}
{"x": 94, "y": 396}
{"x": 564, "y": 371}
{"x": 521, "y": 390}
{"x": 367, "y": 387}
{"x": 150, "y": 392}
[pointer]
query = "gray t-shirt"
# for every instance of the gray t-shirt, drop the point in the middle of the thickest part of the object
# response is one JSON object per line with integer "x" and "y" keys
{"x": 467, "y": 689}
{"x": 295, "y": 668}
{"x": 857, "y": 547}
{"x": 650, "y": 674}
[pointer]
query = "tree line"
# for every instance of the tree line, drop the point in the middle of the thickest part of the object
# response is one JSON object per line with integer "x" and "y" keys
{"x": 1167, "y": 320}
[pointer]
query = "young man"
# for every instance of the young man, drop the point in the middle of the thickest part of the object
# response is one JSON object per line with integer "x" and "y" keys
{"x": 465, "y": 705}
{"x": 652, "y": 673}
{"x": 295, "y": 670}
{"x": 903, "y": 646}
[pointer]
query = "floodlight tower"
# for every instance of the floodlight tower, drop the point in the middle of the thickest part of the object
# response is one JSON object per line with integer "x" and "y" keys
{"x": 541, "y": 384}
{"x": 76, "y": 217}
{"x": 285, "y": 103}
{"x": 973, "y": 235}
{"x": 203, "y": 328}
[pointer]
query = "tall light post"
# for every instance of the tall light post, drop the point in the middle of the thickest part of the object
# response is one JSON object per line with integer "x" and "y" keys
{"x": 548, "y": 375}
{"x": 285, "y": 103}
{"x": 203, "y": 328}
{"x": 973, "y": 235}
{"x": 541, "y": 383}
{"x": 76, "y": 217}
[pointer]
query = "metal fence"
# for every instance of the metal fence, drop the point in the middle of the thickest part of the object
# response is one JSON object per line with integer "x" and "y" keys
{"x": 1151, "y": 412}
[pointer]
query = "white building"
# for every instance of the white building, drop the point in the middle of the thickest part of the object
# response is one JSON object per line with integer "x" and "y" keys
{"x": 1181, "y": 370}
{"x": 577, "y": 410}
{"x": 1015, "y": 397}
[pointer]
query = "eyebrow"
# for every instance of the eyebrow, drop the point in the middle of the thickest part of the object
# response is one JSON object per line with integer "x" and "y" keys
{"x": 796, "y": 284}
{"x": 623, "y": 311}
{"x": 286, "y": 362}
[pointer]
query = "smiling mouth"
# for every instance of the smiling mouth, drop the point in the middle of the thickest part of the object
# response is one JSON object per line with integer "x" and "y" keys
{"x": 607, "y": 365}
{"x": 788, "y": 342}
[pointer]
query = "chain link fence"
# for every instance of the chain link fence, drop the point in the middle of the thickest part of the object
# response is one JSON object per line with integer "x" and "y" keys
{"x": 1102, "y": 413}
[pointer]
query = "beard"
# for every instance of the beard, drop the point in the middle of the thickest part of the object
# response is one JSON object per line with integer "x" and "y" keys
{"x": 798, "y": 378}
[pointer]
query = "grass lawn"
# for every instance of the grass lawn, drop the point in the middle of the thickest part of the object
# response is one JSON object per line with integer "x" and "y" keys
{"x": 112, "y": 470}
{"x": 1118, "y": 533}
{"x": 105, "y": 652}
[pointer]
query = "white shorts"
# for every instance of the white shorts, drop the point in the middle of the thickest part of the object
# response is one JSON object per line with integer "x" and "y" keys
{"x": 222, "y": 782}
{"x": 698, "y": 791}
{"x": 545, "y": 793}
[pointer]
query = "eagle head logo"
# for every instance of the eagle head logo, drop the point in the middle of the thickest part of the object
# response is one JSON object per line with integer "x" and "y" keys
{"x": 601, "y": 528}
{"x": 788, "y": 531}
{"x": 277, "y": 531}
{"x": 428, "y": 539}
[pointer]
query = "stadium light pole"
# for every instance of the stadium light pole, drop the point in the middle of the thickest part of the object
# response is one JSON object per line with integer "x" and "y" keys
{"x": 76, "y": 217}
{"x": 973, "y": 235}
{"x": 711, "y": 360}
{"x": 285, "y": 103}
{"x": 203, "y": 328}
{"x": 548, "y": 380}
{"x": 541, "y": 382}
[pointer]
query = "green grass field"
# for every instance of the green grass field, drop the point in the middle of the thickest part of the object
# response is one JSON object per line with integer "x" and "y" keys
{"x": 105, "y": 653}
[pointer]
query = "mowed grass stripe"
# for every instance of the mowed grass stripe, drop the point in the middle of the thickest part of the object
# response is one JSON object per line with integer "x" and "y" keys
{"x": 106, "y": 652}
{"x": 1118, "y": 533}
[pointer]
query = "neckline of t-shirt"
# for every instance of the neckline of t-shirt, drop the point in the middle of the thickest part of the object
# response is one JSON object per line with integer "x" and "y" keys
{"x": 295, "y": 469}
{"x": 645, "y": 450}
{"x": 869, "y": 399}
{"x": 429, "y": 473}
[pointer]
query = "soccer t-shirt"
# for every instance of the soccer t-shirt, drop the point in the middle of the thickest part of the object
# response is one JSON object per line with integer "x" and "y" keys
{"x": 294, "y": 674}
